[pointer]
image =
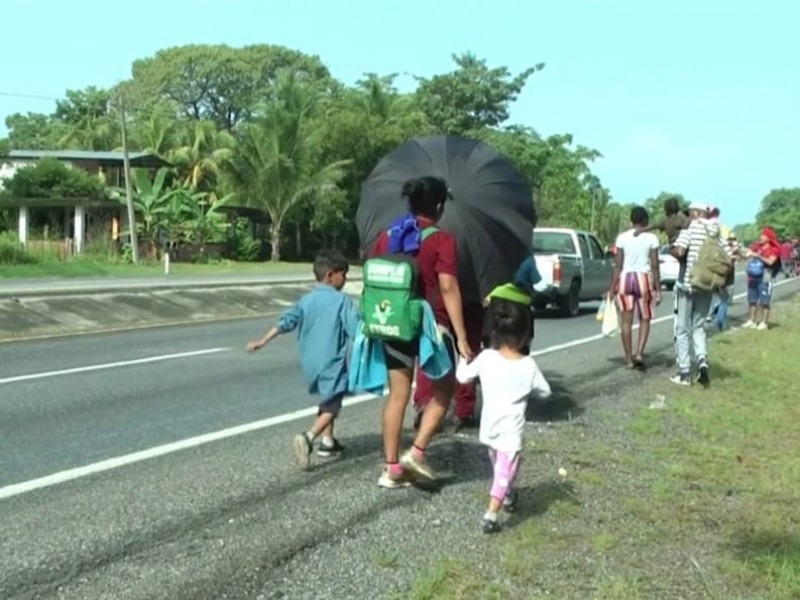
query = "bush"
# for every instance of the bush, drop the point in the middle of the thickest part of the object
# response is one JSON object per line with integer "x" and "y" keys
{"x": 12, "y": 252}
{"x": 246, "y": 247}
{"x": 50, "y": 178}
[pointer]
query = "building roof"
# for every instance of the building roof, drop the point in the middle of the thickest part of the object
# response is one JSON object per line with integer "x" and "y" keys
{"x": 138, "y": 159}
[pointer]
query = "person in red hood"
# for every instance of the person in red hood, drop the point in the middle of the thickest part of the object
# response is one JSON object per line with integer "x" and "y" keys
{"x": 763, "y": 266}
{"x": 787, "y": 258}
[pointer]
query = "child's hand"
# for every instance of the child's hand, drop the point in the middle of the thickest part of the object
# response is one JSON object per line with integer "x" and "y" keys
{"x": 464, "y": 350}
{"x": 253, "y": 346}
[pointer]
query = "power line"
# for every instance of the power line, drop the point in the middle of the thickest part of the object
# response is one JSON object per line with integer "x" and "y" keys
{"x": 30, "y": 96}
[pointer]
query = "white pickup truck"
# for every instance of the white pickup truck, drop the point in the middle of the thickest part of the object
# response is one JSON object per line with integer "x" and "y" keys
{"x": 574, "y": 269}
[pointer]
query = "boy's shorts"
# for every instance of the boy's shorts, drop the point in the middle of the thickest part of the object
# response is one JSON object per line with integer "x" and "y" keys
{"x": 759, "y": 292}
{"x": 332, "y": 405}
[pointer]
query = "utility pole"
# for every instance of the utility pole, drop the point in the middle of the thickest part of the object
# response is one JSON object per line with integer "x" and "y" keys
{"x": 594, "y": 202}
{"x": 126, "y": 162}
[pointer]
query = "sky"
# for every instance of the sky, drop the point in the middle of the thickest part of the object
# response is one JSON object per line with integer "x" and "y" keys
{"x": 699, "y": 97}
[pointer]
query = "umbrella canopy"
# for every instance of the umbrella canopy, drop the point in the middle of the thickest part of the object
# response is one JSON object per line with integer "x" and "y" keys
{"x": 491, "y": 214}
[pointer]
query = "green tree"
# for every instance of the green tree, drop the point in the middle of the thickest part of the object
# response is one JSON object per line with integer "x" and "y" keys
{"x": 564, "y": 196}
{"x": 655, "y": 204}
{"x": 362, "y": 123}
{"x": 747, "y": 233}
{"x": 780, "y": 209}
{"x": 199, "y": 157}
{"x": 471, "y": 97}
{"x": 33, "y": 131}
{"x": 50, "y": 178}
{"x": 88, "y": 120}
{"x": 157, "y": 131}
{"x": 274, "y": 166}
{"x": 216, "y": 82}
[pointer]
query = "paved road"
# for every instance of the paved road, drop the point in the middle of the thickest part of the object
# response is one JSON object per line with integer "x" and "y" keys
{"x": 225, "y": 519}
{"x": 200, "y": 381}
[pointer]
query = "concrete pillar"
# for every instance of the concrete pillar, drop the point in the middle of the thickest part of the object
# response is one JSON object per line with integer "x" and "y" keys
{"x": 80, "y": 219}
{"x": 23, "y": 224}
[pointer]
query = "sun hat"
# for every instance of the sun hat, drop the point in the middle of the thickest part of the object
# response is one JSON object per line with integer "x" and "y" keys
{"x": 697, "y": 205}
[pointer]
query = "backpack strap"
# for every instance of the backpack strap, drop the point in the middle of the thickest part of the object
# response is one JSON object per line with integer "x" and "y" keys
{"x": 427, "y": 232}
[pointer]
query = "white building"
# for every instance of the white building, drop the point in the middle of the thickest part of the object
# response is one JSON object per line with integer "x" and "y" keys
{"x": 63, "y": 223}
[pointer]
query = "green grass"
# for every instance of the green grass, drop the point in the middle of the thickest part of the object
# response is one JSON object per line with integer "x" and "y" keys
{"x": 87, "y": 267}
{"x": 696, "y": 500}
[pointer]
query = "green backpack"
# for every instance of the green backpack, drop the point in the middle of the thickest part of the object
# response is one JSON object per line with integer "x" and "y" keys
{"x": 391, "y": 309}
{"x": 712, "y": 268}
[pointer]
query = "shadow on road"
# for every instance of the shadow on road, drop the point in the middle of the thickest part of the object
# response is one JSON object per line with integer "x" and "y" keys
{"x": 357, "y": 446}
{"x": 537, "y": 499}
{"x": 549, "y": 314}
{"x": 561, "y": 406}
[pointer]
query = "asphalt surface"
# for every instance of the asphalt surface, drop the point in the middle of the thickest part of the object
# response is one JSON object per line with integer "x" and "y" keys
{"x": 64, "y": 421}
{"x": 232, "y": 518}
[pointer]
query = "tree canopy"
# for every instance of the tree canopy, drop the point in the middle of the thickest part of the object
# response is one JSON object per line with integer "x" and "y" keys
{"x": 50, "y": 178}
{"x": 780, "y": 209}
{"x": 269, "y": 128}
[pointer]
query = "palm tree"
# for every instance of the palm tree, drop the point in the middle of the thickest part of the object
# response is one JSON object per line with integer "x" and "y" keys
{"x": 274, "y": 165}
{"x": 158, "y": 132}
{"x": 198, "y": 160}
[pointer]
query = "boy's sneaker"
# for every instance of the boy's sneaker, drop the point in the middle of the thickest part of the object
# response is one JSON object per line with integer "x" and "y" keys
{"x": 302, "y": 450}
{"x": 490, "y": 526}
{"x": 417, "y": 465}
{"x": 681, "y": 379}
{"x": 330, "y": 450}
{"x": 702, "y": 374}
{"x": 510, "y": 501}
{"x": 390, "y": 481}
{"x": 762, "y": 326}
{"x": 749, "y": 325}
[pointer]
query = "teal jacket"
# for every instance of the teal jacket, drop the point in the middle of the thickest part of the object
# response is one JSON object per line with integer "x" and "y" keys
{"x": 368, "y": 371}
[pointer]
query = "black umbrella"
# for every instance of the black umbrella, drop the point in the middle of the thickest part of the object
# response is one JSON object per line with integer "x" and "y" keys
{"x": 491, "y": 213}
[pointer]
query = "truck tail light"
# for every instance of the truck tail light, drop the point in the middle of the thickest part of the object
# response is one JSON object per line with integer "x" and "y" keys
{"x": 557, "y": 272}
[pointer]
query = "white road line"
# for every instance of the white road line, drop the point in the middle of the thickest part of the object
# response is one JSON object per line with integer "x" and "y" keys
{"x": 192, "y": 442}
{"x": 120, "y": 461}
{"x": 113, "y": 365}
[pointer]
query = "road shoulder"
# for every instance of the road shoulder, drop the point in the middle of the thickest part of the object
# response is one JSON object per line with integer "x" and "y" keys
{"x": 233, "y": 519}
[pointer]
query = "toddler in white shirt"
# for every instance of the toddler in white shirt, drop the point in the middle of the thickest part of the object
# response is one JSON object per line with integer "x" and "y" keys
{"x": 508, "y": 377}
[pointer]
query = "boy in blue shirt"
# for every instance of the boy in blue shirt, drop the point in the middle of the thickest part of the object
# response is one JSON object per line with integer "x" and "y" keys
{"x": 324, "y": 319}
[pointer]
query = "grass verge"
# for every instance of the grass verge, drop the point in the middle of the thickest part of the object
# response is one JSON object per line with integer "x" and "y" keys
{"x": 87, "y": 267}
{"x": 670, "y": 492}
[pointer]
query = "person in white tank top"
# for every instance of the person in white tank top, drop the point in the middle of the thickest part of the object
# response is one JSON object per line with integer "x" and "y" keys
{"x": 636, "y": 284}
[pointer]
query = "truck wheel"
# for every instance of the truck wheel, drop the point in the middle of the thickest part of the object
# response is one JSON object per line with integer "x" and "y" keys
{"x": 570, "y": 304}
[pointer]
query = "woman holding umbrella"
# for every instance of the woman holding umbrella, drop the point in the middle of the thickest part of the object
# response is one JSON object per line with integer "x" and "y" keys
{"x": 438, "y": 270}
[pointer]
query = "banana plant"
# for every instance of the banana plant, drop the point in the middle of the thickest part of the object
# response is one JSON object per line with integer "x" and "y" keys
{"x": 206, "y": 223}
{"x": 151, "y": 201}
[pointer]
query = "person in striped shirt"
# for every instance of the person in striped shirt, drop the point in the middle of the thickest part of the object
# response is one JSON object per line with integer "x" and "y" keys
{"x": 692, "y": 304}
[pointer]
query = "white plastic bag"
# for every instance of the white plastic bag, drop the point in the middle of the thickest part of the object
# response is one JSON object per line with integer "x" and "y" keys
{"x": 610, "y": 318}
{"x": 601, "y": 311}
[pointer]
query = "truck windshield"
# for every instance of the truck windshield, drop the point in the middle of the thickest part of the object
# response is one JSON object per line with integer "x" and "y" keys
{"x": 553, "y": 242}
